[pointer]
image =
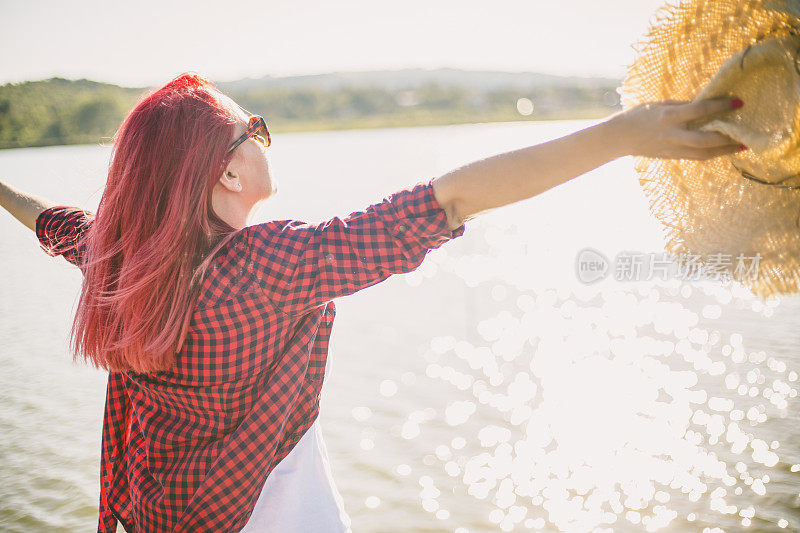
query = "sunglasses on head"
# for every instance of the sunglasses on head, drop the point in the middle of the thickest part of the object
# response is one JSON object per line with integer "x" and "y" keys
{"x": 256, "y": 128}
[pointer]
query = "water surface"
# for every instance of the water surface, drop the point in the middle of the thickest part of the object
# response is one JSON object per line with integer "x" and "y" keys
{"x": 489, "y": 390}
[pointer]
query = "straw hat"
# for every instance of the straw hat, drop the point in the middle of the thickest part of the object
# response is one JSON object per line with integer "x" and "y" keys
{"x": 739, "y": 211}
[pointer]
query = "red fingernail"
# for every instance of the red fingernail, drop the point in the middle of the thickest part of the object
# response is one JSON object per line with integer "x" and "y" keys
{"x": 736, "y": 103}
{"x": 742, "y": 147}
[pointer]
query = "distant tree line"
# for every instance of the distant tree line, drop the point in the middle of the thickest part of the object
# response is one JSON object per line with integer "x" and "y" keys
{"x": 59, "y": 111}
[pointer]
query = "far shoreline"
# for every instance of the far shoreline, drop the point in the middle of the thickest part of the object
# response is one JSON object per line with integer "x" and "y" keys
{"x": 380, "y": 122}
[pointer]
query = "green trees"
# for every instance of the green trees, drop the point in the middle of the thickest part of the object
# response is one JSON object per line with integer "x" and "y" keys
{"x": 60, "y": 111}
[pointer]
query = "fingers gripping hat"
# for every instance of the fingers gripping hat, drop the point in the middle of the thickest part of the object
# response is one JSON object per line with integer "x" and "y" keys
{"x": 741, "y": 211}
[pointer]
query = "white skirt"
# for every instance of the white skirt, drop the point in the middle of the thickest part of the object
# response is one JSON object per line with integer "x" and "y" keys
{"x": 300, "y": 495}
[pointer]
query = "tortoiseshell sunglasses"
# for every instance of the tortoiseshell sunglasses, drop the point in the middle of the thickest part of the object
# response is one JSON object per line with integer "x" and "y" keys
{"x": 258, "y": 129}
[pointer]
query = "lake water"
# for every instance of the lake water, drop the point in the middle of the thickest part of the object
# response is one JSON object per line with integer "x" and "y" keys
{"x": 489, "y": 390}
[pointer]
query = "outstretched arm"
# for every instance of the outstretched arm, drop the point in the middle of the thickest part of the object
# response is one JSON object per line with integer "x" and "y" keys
{"x": 24, "y": 207}
{"x": 655, "y": 129}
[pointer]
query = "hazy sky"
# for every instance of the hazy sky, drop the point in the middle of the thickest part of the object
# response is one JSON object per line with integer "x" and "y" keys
{"x": 147, "y": 42}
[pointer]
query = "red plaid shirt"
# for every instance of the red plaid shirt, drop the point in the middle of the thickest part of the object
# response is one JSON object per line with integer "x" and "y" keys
{"x": 189, "y": 449}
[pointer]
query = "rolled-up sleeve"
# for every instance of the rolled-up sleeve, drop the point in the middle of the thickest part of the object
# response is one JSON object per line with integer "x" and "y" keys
{"x": 61, "y": 231}
{"x": 301, "y": 266}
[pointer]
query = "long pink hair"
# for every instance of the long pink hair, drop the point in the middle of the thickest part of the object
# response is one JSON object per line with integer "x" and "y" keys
{"x": 155, "y": 231}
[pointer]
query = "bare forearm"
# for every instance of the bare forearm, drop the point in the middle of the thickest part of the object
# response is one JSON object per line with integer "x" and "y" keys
{"x": 24, "y": 207}
{"x": 512, "y": 176}
{"x": 651, "y": 129}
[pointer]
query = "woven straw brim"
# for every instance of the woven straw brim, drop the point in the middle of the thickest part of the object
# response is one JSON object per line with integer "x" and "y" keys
{"x": 707, "y": 207}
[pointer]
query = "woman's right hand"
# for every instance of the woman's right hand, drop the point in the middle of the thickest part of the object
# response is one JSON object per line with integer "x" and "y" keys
{"x": 659, "y": 129}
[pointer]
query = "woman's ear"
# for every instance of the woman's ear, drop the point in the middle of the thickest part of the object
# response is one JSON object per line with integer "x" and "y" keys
{"x": 231, "y": 180}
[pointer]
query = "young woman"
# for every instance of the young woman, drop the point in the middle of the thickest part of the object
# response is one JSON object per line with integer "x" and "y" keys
{"x": 215, "y": 332}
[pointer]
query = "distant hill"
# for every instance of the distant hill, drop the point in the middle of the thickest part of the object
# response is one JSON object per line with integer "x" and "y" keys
{"x": 61, "y": 111}
{"x": 395, "y": 80}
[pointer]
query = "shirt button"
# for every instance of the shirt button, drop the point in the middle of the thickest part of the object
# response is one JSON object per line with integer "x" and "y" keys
{"x": 329, "y": 258}
{"x": 402, "y": 228}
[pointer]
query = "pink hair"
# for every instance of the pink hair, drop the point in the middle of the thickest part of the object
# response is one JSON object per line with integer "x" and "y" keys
{"x": 153, "y": 227}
